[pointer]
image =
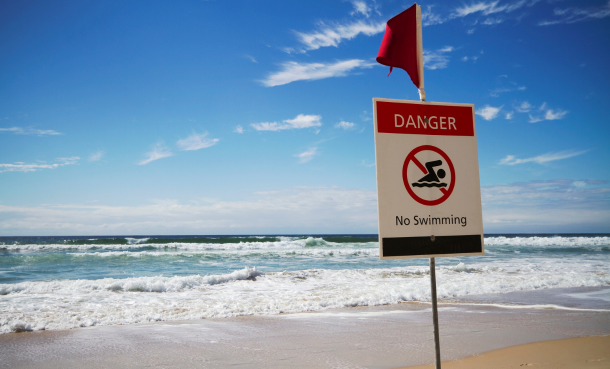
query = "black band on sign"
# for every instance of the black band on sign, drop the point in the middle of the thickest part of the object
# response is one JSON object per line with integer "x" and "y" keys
{"x": 410, "y": 246}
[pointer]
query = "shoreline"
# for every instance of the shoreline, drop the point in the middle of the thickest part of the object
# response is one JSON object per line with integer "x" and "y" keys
{"x": 376, "y": 337}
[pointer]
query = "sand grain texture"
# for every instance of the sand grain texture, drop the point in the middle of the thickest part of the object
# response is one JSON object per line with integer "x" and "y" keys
{"x": 572, "y": 353}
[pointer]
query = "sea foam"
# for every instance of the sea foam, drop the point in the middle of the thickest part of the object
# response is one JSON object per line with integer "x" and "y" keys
{"x": 77, "y": 303}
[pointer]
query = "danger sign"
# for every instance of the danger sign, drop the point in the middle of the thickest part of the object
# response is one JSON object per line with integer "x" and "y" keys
{"x": 427, "y": 179}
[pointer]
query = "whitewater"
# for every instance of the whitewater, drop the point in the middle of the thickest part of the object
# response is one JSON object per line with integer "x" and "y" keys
{"x": 54, "y": 283}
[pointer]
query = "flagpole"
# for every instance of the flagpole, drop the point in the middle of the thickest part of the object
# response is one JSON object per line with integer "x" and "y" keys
{"x": 420, "y": 56}
{"x": 422, "y": 97}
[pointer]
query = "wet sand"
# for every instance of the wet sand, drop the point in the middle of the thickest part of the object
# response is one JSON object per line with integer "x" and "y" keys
{"x": 390, "y": 336}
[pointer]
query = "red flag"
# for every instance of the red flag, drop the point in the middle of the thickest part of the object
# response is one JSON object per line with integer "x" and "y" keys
{"x": 401, "y": 46}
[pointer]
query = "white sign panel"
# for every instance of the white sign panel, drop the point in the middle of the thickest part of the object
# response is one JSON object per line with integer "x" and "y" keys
{"x": 428, "y": 185}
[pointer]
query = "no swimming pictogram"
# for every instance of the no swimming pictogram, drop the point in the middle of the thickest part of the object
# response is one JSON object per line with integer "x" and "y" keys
{"x": 431, "y": 175}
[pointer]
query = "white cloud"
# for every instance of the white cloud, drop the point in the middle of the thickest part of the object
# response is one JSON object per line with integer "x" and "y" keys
{"x": 301, "y": 121}
{"x": 489, "y": 112}
{"x": 550, "y": 114}
{"x": 492, "y": 21}
{"x": 560, "y": 205}
{"x": 332, "y": 35}
{"x": 470, "y": 9}
{"x": 510, "y": 115}
{"x": 307, "y": 155}
{"x": 497, "y": 91}
{"x": 365, "y": 116}
{"x": 97, "y": 156}
{"x": 573, "y": 15}
{"x": 196, "y": 142}
{"x": 22, "y": 167}
{"x": 294, "y": 71}
{"x": 524, "y": 107}
{"x": 30, "y": 131}
{"x": 158, "y": 152}
{"x": 251, "y": 58}
{"x": 533, "y": 207}
{"x": 290, "y": 211}
{"x": 474, "y": 8}
{"x": 487, "y": 8}
{"x": 239, "y": 129}
{"x": 541, "y": 159}
{"x": 361, "y": 7}
{"x": 429, "y": 18}
{"x": 554, "y": 115}
{"x": 345, "y": 125}
{"x": 437, "y": 59}
{"x": 304, "y": 121}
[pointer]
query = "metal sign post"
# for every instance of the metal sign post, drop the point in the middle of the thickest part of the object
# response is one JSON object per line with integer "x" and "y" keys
{"x": 437, "y": 343}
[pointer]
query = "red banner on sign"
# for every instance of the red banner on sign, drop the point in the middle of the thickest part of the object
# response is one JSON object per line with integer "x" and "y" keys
{"x": 424, "y": 119}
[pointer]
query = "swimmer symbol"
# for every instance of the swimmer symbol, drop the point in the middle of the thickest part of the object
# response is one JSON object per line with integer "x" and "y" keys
{"x": 432, "y": 178}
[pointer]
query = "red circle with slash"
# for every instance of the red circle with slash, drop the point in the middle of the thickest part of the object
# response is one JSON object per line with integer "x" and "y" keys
{"x": 411, "y": 158}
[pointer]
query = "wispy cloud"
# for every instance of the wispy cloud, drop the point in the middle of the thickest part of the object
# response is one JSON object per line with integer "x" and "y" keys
{"x": 576, "y": 206}
{"x": 334, "y": 34}
{"x": 345, "y": 125}
{"x": 429, "y": 18}
{"x": 196, "y": 142}
{"x": 158, "y": 152}
{"x": 365, "y": 116}
{"x": 300, "y": 210}
{"x": 22, "y": 167}
{"x": 487, "y": 8}
{"x": 573, "y": 15}
{"x": 97, "y": 156}
{"x": 497, "y": 11}
{"x": 251, "y": 58}
{"x": 492, "y": 21}
{"x": 239, "y": 129}
{"x": 497, "y": 91}
{"x": 489, "y": 112}
{"x": 361, "y": 7}
{"x": 30, "y": 131}
{"x": 301, "y": 121}
{"x": 549, "y": 114}
{"x": 541, "y": 159}
{"x": 510, "y": 115}
{"x": 437, "y": 59}
{"x": 554, "y": 115}
{"x": 307, "y": 155}
{"x": 524, "y": 107}
{"x": 294, "y": 71}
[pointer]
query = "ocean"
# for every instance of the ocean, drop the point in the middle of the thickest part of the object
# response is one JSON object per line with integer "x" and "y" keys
{"x": 54, "y": 283}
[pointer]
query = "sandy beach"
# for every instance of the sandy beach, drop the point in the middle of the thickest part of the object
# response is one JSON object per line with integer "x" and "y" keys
{"x": 583, "y": 352}
{"x": 389, "y": 336}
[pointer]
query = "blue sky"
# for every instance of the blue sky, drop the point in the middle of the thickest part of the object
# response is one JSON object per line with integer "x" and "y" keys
{"x": 241, "y": 117}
